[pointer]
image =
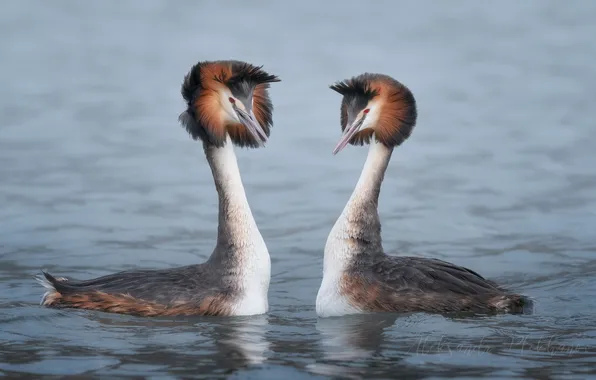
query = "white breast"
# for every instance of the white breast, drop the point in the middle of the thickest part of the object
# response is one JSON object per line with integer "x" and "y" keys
{"x": 330, "y": 301}
{"x": 255, "y": 276}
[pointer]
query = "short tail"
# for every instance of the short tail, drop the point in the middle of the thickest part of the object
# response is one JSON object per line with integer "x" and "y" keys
{"x": 513, "y": 303}
{"x": 50, "y": 283}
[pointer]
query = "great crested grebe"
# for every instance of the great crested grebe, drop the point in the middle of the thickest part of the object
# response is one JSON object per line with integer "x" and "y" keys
{"x": 357, "y": 275}
{"x": 228, "y": 103}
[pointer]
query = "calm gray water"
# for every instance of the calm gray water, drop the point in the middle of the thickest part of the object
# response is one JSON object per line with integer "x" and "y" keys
{"x": 97, "y": 177}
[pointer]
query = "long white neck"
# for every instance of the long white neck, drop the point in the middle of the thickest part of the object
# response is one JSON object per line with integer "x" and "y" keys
{"x": 358, "y": 229}
{"x": 240, "y": 246}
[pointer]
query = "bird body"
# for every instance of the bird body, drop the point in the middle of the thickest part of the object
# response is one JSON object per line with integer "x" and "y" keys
{"x": 358, "y": 276}
{"x": 227, "y": 104}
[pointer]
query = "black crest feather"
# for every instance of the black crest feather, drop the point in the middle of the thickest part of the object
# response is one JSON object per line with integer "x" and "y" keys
{"x": 191, "y": 87}
{"x": 357, "y": 86}
{"x": 247, "y": 73}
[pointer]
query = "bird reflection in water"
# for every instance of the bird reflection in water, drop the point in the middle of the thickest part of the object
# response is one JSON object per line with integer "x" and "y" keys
{"x": 207, "y": 345}
{"x": 244, "y": 340}
{"x": 349, "y": 342}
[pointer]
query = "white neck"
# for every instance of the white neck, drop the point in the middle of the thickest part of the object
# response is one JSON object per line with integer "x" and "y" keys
{"x": 240, "y": 246}
{"x": 358, "y": 229}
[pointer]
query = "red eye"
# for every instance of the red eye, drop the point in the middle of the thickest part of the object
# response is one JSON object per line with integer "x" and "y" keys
{"x": 366, "y": 111}
{"x": 232, "y": 100}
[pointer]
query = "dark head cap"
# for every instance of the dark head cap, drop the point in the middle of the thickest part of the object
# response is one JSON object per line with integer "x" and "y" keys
{"x": 375, "y": 105}
{"x": 228, "y": 98}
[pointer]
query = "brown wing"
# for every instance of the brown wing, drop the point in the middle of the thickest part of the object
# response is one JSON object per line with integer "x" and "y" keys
{"x": 411, "y": 284}
{"x": 180, "y": 291}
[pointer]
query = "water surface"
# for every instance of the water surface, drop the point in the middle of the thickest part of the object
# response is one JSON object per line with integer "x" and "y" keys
{"x": 97, "y": 177}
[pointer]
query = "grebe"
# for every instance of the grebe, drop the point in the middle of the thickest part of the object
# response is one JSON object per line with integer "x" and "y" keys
{"x": 358, "y": 276}
{"x": 228, "y": 103}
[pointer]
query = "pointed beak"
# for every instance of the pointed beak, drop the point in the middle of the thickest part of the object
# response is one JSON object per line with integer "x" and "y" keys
{"x": 249, "y": 120}
{"x": 348, "y": 134}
